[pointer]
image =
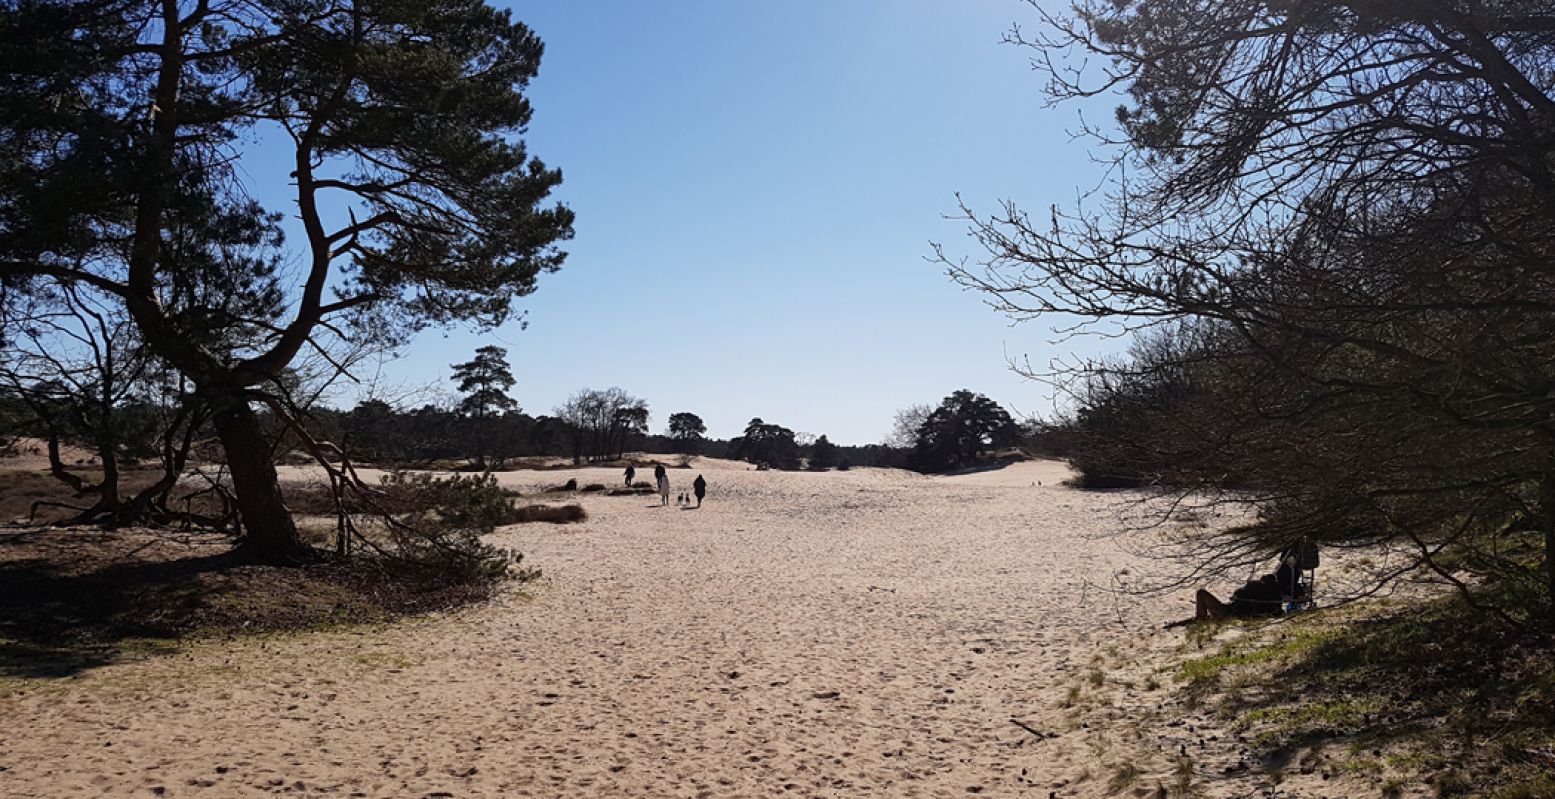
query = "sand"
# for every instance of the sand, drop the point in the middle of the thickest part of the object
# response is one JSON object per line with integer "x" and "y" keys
{"x": 868, "y": 633}
{"x": 32, "y": 454}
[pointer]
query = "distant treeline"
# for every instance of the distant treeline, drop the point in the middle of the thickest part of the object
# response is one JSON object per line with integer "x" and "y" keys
{"x": 375, "y": 432}
{"x": 593, "y": 426}
{"x": 147, "y": 414}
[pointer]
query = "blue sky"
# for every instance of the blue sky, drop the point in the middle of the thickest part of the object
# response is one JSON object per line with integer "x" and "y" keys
{"x": 757, "y": 186}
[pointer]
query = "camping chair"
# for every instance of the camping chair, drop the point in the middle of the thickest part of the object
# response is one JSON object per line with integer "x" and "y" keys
{"x": 1303, "y": 560}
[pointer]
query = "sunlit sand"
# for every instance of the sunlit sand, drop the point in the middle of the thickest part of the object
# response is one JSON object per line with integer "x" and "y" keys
{"x": 870, "y": 632}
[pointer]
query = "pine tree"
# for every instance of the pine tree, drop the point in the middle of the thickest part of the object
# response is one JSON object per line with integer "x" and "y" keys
{"x": 687, "y": 429}
{"x": 823, "y": 454}
{"x": 123, "y": 127}
{"x": 484, "y": 381}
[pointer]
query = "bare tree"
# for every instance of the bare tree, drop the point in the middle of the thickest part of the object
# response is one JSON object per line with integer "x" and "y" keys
{"x": 905, "y": 425}
{"x": 601, "y": 421}
{"x": 1334, "y": 230}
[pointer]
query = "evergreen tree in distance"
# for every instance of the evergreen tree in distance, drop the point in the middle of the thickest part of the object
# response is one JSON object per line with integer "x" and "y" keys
{"x": 823, "y": 454}
{"x": 687, "y": 429}
{"x": 768, "y": 445}
{"x": 963, "y": 425}
{"x": 484, "y": 381}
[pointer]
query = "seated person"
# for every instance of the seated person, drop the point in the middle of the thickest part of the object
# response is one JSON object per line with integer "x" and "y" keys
{"x": 1265, "y": 596}
{"x": 1261, "y": 597}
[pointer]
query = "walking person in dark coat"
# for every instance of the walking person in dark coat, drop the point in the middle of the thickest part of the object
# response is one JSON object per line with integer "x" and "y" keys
{"x": 631, "y": 472}
{"x": 700, "y": 487}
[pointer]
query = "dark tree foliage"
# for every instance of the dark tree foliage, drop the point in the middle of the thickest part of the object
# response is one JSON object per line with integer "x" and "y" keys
{"x": 627, "y": 424}
{"x": 823, "y": 454}
{"x": 383, "y": 435}
{"x": 376, "y": 432}
{"x": 766, "y": 445}
{"x": 121, "y": 127}
{"x": 688, "y": 430}
{"x": 1336, "y": 239}
{"x": 485, "y": 381}
{"x": 963, "y": 426}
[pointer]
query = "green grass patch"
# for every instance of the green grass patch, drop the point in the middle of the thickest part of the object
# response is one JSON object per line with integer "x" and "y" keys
{"x": 1253, "y": 651}
{"x": 1436, "y": 693}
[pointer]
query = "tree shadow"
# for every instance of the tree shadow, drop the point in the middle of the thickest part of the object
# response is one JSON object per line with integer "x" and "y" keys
{"x": 55, "y": 623}
{"x": 1442, "y": 681}
{"x": 980, "y": 467}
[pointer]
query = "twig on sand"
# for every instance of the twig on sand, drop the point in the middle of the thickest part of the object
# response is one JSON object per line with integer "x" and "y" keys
{"x": 1033, "y": 730}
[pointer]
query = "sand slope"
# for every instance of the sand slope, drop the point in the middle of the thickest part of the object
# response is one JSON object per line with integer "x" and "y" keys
{"x": 869, "y": 633}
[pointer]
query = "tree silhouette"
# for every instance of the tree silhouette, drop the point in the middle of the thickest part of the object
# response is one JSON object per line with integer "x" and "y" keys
{"x": 626, "y": 422}
{"x": 768, "y": 445}
{"x": 962, "y": 426}
{"x": 601, "y": 421}
{"x": 823, "y": 454}
{"x": 485, "y": 381}
{"x": 687, "y": 429}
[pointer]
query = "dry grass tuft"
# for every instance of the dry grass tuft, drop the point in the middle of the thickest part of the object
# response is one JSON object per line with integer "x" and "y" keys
{"x": 555, "y": 514}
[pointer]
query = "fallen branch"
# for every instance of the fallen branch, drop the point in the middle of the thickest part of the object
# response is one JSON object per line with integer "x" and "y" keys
{"x": 1033, "y": 730}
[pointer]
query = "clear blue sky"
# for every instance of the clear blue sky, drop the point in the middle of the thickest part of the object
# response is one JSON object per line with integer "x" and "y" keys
{"x": 756, "y": 187}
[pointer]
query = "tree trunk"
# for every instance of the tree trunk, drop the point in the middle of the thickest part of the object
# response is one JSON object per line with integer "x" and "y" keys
{"x": 108, "y": 500}
{"x": 1548, "y": 501}
{"x": 269, "y": 534}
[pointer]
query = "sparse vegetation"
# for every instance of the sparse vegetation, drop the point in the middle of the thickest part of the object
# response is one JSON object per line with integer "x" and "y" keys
{"x": 555, "y": 514}
{"x": 75, "y": 601}
{"x": 1443, "y": 693}
{"x": 1124, "y": 776}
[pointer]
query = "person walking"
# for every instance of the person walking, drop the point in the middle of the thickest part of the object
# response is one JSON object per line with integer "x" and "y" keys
{"x": 664, "y": 488}
{"x": 631, "y": 472}
{"x": 699, "y": 486}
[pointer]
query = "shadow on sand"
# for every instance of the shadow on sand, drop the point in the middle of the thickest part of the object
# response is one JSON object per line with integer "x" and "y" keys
{"x": 1443, "y": 686}
{"x": 54, "y": 623}
{"x": 985, "y": 466}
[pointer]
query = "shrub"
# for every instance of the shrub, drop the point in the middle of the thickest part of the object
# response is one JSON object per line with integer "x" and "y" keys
{"x": 555, "y": 514}
{"x": 435, "y": 525}
{"x": 594, "y": 487}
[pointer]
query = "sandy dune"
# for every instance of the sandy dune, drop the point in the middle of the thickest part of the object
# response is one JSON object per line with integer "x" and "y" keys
{"x": 869, "y": 633}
